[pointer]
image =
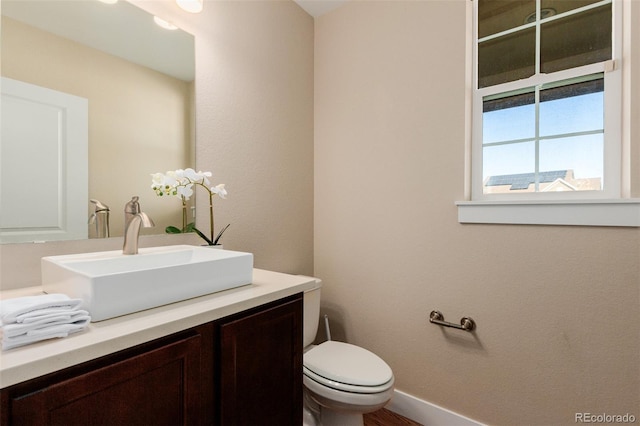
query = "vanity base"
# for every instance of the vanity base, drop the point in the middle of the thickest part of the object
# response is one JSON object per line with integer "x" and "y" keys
{"x": 242, "y": 369}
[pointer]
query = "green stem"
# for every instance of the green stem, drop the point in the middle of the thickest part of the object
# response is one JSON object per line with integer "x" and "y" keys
{"x": 211, "y": 213}
{"x": 184, "y": 208}
{"x": 184, "y": 214}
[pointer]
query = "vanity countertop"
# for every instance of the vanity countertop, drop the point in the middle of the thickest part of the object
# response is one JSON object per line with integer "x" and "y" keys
{"x": 105, "y": 337}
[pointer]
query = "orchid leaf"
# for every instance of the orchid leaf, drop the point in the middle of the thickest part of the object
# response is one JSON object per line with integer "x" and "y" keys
{"x": 172, "y": 230}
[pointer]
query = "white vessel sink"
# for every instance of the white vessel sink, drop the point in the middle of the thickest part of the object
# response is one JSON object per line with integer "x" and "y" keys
{"x": 112, "y": 284}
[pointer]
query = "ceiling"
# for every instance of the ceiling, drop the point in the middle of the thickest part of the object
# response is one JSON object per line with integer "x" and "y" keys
{"x": 111, "y": 28}
{"x": 316, "y": 8}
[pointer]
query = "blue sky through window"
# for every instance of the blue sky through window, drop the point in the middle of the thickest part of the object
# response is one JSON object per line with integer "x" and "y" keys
{"x": 569, "y": 115}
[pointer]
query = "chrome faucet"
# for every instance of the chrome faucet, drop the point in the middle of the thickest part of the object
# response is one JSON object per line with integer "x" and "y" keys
{"x": 133, "y": 219}
{"x": 100, "y": 218}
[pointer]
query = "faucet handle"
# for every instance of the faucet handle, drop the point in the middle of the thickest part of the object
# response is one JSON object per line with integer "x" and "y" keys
{"x": 99, "y": 205}
{"x": 132, "y": 206}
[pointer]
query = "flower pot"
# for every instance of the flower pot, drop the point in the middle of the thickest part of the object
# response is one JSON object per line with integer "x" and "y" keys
{"x": 216, "y": 246}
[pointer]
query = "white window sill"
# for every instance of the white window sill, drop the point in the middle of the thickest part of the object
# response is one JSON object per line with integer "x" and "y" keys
{"x": 622, "y": 212}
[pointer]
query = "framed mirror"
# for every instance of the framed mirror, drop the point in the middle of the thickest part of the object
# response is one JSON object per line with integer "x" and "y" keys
{"x": 138, "y": 82}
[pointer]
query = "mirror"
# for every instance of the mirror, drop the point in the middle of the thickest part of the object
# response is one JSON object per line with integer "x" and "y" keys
{"x": 138, "y": 80}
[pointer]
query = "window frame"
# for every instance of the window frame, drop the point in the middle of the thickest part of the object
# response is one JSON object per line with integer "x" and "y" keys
{"x": 587, "y": 207}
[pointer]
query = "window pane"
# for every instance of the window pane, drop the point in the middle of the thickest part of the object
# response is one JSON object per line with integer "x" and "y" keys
{"x": 579, "y": 160}
{"x": 507, "y": 58}
{"x": 576, "y": 40}
{"x": 504, "y": 165}
{"x": 510, "y": 118}
{"x": 495, "y": 16}
{"x": 561, "y": 6}
{"x": 573, "y": 108}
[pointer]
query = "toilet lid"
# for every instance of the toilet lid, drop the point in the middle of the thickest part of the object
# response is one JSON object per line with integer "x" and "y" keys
{"x": 346, "y": 363}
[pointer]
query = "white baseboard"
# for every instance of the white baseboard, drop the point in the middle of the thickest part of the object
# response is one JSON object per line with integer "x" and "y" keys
{"x": 425, "y": 412}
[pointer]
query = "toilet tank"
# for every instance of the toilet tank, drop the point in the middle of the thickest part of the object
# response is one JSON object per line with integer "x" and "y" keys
{"x": 311, "y": 313}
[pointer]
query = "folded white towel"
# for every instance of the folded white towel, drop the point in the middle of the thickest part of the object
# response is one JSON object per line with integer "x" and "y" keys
{"x": 41, "y": 319}
{"x": 12, "y": 330}
{"x": 30, "y": 319}
{"x": 22, "y": 309}
{"x": 61, "y": 330}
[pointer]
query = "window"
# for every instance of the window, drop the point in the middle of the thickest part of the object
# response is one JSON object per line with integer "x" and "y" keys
{"x": 545, "y": 69}
{"x": 546, "y": 102}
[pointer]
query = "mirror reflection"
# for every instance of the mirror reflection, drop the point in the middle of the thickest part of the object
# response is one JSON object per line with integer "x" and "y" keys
{"x": 138, "y": 82}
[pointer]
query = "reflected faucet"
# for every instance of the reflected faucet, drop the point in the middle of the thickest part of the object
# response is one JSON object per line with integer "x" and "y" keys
{"x": 100, "y": 218}
{"x": 133, "y": 219}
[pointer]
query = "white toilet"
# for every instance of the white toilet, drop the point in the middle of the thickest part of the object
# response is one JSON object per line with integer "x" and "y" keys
{"x": 342, "y": 381}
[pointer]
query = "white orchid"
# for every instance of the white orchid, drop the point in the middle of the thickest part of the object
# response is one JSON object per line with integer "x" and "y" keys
{"x": 180, "y": 183}
{"x": 173, "y": 178}
{"x": 204, "y": 176}
{"x": 190, "y": 174}
{"x": 185, "y": 191}
{"x": 219, "y": 189}
{"x": 157, "y": 180}
{"x": 163, "y": 184}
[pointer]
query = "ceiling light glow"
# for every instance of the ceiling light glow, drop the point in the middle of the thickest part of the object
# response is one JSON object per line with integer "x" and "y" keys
{"x": 193, "y": 6}
{"x": 164, "y": 24}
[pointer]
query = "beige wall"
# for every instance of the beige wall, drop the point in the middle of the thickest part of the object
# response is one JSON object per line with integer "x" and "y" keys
{"x": 554, "y": 306}
{"x": 139, "y": 119}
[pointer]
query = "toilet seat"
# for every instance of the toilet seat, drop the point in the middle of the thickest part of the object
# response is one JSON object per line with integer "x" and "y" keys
{"x": 346, "y": 401}
{"x": 345, "y": 387}
{"x": 347, "y": 368}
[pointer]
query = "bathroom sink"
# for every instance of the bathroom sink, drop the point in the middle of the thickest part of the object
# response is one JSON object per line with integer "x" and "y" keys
{"x": 112, "y": 284}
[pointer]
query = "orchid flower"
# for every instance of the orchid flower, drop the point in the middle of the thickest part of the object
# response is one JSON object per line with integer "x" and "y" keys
{"x": 181, "y": 183}
{"x": 185, "y": 191}
{"x": 219, "y": 189}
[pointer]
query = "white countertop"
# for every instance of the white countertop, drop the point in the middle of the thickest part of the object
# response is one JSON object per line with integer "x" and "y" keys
{"x": 105, "y": 337}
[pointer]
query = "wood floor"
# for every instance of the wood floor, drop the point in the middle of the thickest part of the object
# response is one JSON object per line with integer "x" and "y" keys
{"x": 385, "y": 417}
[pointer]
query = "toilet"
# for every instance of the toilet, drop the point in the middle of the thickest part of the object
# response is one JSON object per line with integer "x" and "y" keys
{"x": 341, "y": 381}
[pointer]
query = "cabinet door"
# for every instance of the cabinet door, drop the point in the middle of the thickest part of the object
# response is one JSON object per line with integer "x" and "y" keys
{"x": 157, "y": 387}
{"x": 260, "y": 361}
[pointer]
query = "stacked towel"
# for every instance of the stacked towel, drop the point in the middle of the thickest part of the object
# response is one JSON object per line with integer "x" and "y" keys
{"x": 25, "y": 320}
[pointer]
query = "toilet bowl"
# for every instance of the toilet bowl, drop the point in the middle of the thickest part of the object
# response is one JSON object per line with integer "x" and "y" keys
{"x": 342, "y": 381}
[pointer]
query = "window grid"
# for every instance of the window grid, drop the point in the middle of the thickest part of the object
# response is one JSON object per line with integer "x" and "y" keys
{"x": 535, "y": 83}
{"x": 544, "y": 20}
{"x": 537, "y": 138}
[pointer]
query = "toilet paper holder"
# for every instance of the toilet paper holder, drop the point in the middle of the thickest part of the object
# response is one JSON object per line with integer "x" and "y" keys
{"x": 466, "y": 323}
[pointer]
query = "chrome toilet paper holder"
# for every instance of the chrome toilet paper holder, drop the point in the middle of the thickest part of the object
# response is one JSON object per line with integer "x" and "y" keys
{"x": 466, "y": 323}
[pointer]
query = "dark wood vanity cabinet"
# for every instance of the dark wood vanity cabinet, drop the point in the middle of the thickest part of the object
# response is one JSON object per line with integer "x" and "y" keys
{"x": 260, "y": 367}
{"x": 242, "y": 370}
{"x": 155, "y": 384}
